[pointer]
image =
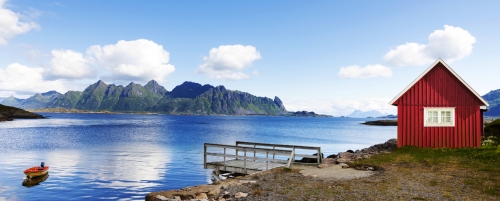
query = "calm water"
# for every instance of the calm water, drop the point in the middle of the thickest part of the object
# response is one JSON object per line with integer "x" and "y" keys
{"x": 124, "y": 157}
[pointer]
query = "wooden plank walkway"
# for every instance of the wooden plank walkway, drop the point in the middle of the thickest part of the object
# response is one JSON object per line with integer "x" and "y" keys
{"x": 239, "y": 166}
{"x": 249, "y": 160}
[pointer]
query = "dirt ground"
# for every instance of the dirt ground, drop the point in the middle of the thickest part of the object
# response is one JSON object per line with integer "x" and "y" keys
{"x": 333, "y": 172}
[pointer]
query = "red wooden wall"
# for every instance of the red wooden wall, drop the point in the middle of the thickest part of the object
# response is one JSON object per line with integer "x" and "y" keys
{"x": 439, "y": 88}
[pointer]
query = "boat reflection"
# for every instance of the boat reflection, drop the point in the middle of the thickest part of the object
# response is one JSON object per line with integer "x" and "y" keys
{"x": 28, "y": 183}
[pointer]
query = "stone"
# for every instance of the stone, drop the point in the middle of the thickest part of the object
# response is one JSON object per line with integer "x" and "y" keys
{"x": 331, "y": 156}
{"x": 341, "y": 160}
{"x": 322, "y": 166}
{"x": 187, "y": 188}
{"x": 213, "y": 193}
{"x": 161, "y": 197}
{"x": 345, "y": 155}
{"x": 345, "y": 166}
{"x": 328, "y": 161}
{"x": 201, "y": 196}
{"x": 370, "y": 168}
{"x": 240, "y": 195}
{"x": 177, "y": 198}
{"x": 247, "y": 182}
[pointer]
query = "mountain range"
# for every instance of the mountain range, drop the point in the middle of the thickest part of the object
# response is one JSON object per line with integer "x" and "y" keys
{"x": 493, "y": 98}
{"x": 187, "y": 98}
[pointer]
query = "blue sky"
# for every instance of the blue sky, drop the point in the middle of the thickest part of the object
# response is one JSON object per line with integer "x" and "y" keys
{"x": 331, "y": 57}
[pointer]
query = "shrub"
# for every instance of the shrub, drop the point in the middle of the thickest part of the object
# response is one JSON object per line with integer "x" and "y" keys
{"x": 489, "y": 141}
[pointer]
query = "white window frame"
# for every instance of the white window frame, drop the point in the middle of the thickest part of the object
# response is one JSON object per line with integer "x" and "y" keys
{"x": 439, "y": 123}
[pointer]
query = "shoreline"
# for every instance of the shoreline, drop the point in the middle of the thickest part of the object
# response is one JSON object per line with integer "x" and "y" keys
{"x": 334, "y": 167}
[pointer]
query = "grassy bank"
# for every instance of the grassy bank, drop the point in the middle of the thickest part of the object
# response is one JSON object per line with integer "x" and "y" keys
{"x": 481, "y": 166}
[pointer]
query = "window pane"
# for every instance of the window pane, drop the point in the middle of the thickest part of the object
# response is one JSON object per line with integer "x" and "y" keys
{"x": 432, "y": 116}
{"x": 446, "y": 116}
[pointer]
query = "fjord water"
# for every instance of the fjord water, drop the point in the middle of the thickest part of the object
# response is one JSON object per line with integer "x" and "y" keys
{"x": 126, "y": 156}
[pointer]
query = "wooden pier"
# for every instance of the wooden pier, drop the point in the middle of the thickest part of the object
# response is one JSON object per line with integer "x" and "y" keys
{"x": 253, "y": 157}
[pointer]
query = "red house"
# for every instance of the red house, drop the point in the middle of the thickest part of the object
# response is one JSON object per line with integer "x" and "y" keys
{"x": 439, "y": 109}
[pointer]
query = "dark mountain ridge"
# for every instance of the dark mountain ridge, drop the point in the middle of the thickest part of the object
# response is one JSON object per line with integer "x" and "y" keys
{"x": 187, "y": 98}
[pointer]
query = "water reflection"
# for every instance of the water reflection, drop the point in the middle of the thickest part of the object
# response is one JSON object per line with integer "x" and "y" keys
{"x": 127, "y": 166}
{"x": 34, "y": 181}
{"x": 130, "y": 166}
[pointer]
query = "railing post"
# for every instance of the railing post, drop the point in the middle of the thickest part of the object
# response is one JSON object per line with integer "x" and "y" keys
{"x": 274, "y": 148}
{"x": 205, "y": 155}
{"x": 267, "y": 160}
{"x": 245, "y": 161}
{"x": 292, "y": 156}
{"x": 254, "y": 146}
{"x": 320, "y": 158}
{"x": 224, "y": 158}
{"x": 236, "y": 153}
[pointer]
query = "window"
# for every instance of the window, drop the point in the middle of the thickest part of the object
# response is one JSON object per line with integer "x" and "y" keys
{"x": 439, "y": 116}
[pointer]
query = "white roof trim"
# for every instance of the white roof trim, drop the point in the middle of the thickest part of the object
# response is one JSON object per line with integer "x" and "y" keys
{"x": 429, "y": 69}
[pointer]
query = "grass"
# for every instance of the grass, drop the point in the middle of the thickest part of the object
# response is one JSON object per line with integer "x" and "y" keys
{"x": 480, "y": 166}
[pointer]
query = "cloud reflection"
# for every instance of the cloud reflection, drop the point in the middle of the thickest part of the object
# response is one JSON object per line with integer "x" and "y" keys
{"x": 127, "y": 166}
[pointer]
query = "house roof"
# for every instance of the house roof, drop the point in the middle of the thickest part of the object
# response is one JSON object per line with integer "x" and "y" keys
{"x": 439, "y": 60}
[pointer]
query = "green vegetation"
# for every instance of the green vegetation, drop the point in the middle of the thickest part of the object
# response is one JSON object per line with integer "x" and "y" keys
{"x": 492, "y": 133}
{"x": 480, "y": 165}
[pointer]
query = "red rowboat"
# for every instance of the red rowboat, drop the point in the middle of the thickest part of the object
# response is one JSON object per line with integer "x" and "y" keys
{"x": 36, "y": 171}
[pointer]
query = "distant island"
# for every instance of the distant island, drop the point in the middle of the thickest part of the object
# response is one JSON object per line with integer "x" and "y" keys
{"x": 189, "y": 98}
{"x": 306, "y": 114}
{"x": 382, "y": 123}
{"x": 8, "y": 113}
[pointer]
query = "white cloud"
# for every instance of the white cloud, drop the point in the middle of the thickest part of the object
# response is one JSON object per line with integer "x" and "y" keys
{"x": 228, "y": 61}
{"x": 10, "y": 24}
{"x": 341, "y": 107}
{"x": 26, "y": 80}
{"x": 368, "y": 71}
{"x": 451, "y": 44}
{"x": 68, "y": 64}
{"x": 138, "y": 60}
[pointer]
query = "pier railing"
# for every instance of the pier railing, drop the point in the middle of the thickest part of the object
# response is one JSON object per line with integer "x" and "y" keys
{"x": 299, "y": 151}
{"x": 246, "y": 160}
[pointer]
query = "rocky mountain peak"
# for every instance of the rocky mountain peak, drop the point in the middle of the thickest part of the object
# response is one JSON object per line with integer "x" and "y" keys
{"x": 154, "y": 87}
{"x": 51, "y": 93}
{"x": 189, "y": 90}
{"x": 279, "y": 103}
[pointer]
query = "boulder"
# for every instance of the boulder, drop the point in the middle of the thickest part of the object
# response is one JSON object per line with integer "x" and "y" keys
{"x": 345, "y": 155}
{"x": 328, "y": 161}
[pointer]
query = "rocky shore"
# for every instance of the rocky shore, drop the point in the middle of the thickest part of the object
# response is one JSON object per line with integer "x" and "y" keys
{"x": 250, "y": 187}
